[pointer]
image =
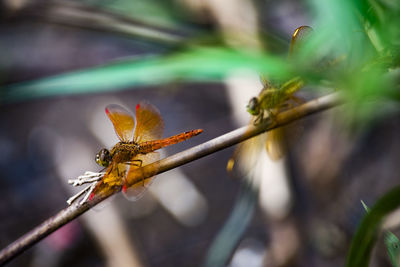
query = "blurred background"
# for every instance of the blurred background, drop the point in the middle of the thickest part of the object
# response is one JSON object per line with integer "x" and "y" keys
{"x": 62, "y": 62}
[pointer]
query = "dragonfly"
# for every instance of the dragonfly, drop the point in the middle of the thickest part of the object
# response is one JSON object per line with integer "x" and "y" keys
{"x": 271, "y": 100}
{"x": 274, "y": 98}
{"x": 138, "y": 141}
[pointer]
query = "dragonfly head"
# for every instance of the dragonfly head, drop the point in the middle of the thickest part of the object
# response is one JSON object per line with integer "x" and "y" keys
{"x": 253, "y": 107}
{"x": 103, "y": 158}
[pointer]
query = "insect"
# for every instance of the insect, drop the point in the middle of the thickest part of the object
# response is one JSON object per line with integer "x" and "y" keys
{"x": 271, "y": 100}
{"x": 138, "y": 141}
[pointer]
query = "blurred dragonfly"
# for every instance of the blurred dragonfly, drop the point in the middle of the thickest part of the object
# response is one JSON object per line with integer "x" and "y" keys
{"x": 271, "y": 100}
{"x": 250, "y": 162}
{"x": 136, "y": 148}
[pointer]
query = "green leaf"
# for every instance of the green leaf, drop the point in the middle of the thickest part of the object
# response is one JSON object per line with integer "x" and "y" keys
{"x": 392, "y": 243}
{"x": 229, "y": 236}
{"x": 365, "y": 206}
{"x": 206, "y": 64}
{"x": 367, "y": 232}
{"x": 393, "y": 247}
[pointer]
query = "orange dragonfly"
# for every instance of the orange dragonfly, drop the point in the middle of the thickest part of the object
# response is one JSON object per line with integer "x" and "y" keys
{"x": 137, "y": 146}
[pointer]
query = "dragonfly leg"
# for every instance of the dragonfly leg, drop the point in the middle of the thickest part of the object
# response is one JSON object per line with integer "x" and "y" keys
{"x": 297, "y": 100}
{"x": 272, "y": 116}
{"x": 259, "y": 119}
{"x": 137, "y": 163}
{"x": 119, "y": 172}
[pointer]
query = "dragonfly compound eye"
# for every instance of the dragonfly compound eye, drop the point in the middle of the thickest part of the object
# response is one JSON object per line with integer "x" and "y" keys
{"x": 103, "y": 158}
{"x": 253, "y": 107}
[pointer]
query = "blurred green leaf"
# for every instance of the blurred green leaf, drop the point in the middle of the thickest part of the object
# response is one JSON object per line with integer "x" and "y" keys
{"x": 365, "y": 35}
{"x": 206, "y": 64}
{"x": 383, "y": 29}
{"x": 367, "y": 232}
{"x": 229, "y": 236}
{"x": 393, "y": 246}
{"x": 392, "y": 243}
{"x": 367, "y": 209}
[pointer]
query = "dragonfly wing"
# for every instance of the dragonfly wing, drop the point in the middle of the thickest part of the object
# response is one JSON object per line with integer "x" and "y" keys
{"x": 114, "y": 177}
{"x": 298, "y": 38}
{"x": 275, "y": 144}
{"x": 246, "y": 155}
{"x": 122, "y": 120}
{"x": 136, "y": 191}
{"x": 111, "y": 181}
{"x": 149, "y": 124}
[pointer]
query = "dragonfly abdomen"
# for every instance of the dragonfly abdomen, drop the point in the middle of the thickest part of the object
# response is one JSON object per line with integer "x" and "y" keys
{"x": 292, "y": 86}
{"x": 150, "y": 146}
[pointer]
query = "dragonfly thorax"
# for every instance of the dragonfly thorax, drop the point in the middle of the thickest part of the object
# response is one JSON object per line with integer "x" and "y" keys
{"x": 121, "y": 152}
{"x": 124, "y": 151}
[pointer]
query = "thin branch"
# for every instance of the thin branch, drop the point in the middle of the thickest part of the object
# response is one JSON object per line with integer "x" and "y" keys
{"x": 207, "y": 148}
